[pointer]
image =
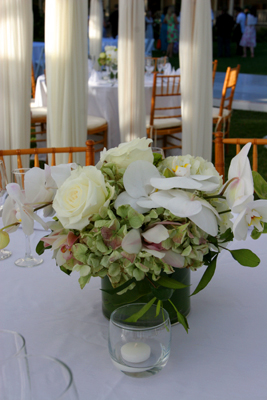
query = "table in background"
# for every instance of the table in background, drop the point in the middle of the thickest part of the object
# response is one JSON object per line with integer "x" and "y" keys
{"x": 103, "y": 102}
{"x": 224, "y": 356}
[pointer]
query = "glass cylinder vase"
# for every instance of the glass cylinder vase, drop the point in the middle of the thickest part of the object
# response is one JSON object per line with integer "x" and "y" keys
{"x": 142, "y": 294}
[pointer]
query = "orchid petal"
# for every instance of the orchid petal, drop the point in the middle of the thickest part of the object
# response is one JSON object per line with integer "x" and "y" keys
{"x": 9, "y": 215}
{"x": 137, "y": 178}
{"x": 124, "y": 198}
{"x": 239, "y": 164}
{"x": 175, "y": 182}
{"x": 61, "y": 172}
{"x": 241, "y": 203}
{"x": 240, "y": 227}
{"x": 261, "y": 207}
{"x": 156, "y": 234}
{"x": 177, "y": 202}
{"x": 206, "y": 221}
{"x": 173, "y": 259}
{"x": 132, "y": 242}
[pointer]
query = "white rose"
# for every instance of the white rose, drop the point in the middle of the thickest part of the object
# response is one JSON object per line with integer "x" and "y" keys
{"x": 126, "y": 153}
{"x": 81, "y": 196}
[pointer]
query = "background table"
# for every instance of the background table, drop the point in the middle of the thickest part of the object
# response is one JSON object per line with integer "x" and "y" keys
{"x": 103, "y": 102}
{"x": 224, "y": 356}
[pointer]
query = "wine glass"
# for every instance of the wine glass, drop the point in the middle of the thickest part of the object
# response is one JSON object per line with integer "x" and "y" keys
{"x": 165, "y": 64}
{"x": 4, "y": 253}
{"x": 149, "y": 65}
{"x": 160, "y": 64}
{"x": 158, "y": 150}
{"x": 114, "y": 70}
{"x": 28, "y": 261}
{"x": 37, "y": 377}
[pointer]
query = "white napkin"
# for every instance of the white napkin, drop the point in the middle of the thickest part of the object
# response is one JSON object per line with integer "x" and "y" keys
{"x": 167, "y": 69}
{"x": 95, "y": 77}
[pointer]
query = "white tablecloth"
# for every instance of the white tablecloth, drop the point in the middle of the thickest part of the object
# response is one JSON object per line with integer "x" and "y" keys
{"x": 103, "y": 102}
{"x": 224, "y": 356}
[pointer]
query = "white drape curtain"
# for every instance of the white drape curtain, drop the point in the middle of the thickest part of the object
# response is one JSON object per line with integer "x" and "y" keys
{"x": 131, "y": 92}
{"x": 66, "y": 73}
{"x": 16, "y": 32}
{"x": 195, "y": 52}
{"x": 95, "y": 30}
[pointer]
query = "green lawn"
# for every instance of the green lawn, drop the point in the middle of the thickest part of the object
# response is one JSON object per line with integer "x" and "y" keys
{"x": 249, "y": 124}
{"x": 256, "y": 65}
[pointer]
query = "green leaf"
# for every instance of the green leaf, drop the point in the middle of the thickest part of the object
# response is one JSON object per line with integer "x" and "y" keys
{"x": 135, "y": 317}
{"x": 67, "y": 271}
{"x": 168, "y": 173}
{"x": 171, "y": 283}
{"x": 181, "y": 318}
{"x": 227, "y": 236}
{"x": 260, "y": 185}
{"x": 158, "y": 308}
{"x": 162, "y": 293}
{"x": 40, "y": 247}
{"x": 206, "y": 277}
{"x": 83, "y": 280}
{"x": 245, "y": 257}
{"x": 119, "y": 288}
{"x": 255, "y": 234}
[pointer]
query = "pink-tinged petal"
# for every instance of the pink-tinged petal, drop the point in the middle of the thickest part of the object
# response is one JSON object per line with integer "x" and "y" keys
{"x": 155, "y": 253}
{"x": 60, "y": 260}
{"x": 206, "y": 220}
{"x": 132, "y": 243}
{"x": 173, "y": 259}
{"x": 137, "y": 178}
{"x": 240, "y": 227}
{"x": 14, "y": 191}
{"x": 71, "y": 239}
{"x": 156, "y": 234}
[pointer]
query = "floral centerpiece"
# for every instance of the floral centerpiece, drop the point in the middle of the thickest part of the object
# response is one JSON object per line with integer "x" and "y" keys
{"x": 136, "y": 217}
{"x": 110, "y": 55}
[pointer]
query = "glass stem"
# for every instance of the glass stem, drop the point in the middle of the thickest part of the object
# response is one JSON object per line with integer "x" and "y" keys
{"x": 27, "y": 247}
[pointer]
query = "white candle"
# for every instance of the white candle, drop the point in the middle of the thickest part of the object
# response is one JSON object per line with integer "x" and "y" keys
{"x": 135, "y": 352}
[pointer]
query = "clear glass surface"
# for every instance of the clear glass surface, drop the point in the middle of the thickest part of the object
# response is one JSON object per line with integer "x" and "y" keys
{"x": 11, "y": 344}
{"x": 4, "y": 253}
{"x": 28, "y": 260}
{"x": 149, "y": 65}
{"x": 114, "y": 70}
{"x": 149, "y": 332}
{"x": 30, "y": 377}
{"x": 160, "y": 64}
{"x": 158, "y": 150}
{"x": 165, "y": 65}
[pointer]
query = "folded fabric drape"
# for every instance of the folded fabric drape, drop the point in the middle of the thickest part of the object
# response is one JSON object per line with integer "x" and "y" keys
{"x": 131, "y": 66}
{"x": 95, "y": 30}
{"x": 66, "y": 73}
{"x": 195, "y": 51}
{"x": 16, "y": 27}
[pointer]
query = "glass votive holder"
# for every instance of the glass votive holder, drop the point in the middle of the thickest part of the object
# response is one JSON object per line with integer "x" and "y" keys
{"x": 36, "y": 377}
{"x": 141, "y": 348}
{"x": 11, "y": 344}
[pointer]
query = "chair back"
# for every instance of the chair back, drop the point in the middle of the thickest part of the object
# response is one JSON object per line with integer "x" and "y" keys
{"x": 230, "y": 82}
{"x": 165, "y": 86}
{"x": 88, "y": 150}
{"x": 219, "y": 150}
{"x": 214, "y": 69}
{"x": 33, "y": 83}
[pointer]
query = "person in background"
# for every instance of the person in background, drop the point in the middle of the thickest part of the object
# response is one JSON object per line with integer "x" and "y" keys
{"x": 224, "y": 25}
{"x": 114, "y": 21}
{"x": 239, "y": 29}
{"x": 172, "y": 36}
{"x": 249, "y": 35}
{"x": 163, "y": 31}
{"x": 149, "y": 25}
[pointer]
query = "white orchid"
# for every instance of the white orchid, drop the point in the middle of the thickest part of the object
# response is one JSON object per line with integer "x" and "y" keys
{"x": 188, "y": 205}
{"x": 150, "y": 241}
{"x": 142, "y": 181}
{"x": 254, "y": 213}
{"x": 240, "y": 175}
{"x": 137, "y": 185}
